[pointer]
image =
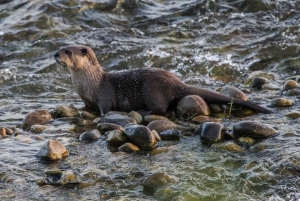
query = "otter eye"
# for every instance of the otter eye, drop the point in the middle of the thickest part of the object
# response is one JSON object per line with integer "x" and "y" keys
{"x": 68, "y": 52}
{"x": 84, "y": 51}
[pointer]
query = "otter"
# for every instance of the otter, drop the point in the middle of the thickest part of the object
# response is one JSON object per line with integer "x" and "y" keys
{"x": 152, "y": 89}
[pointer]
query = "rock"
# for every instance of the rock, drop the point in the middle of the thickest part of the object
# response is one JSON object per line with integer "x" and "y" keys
{"x": 157, "y": 136}
{"x": 128, "y": 147}
{"x": 192, "y": 105}
{"x": 228, "y": 146}
{"x": 88, "y": 115}
{"x": 246, "y": 141}
{"x": 118, "y": 119}
{"x": 36, "y": 117}
{"x": 90, "y": 136}
{"x": 281, "y": 102}
{"x": 7, "y": 131}
{"x": 161, "y": 125}
{"x": 135, "y": 115}
{"x": 290, "y": 84}
{"x": 2, "y": 132}
{"x": 52, "y": 150}
{"x": 68, "y": 177}
{"x": 293, "y": 115}
{"x": 116, "y": 137}
{"x": 202, "y": 119}
{"x": 233, "y": 92}
{"x": 38, "y": 128}
{"x": 156, "y": 180}
{"x": 158, "y": 150}
{"x": 215, "y": 108}
{"x": 253, "y": 129}
{"x": 257, "y": 82}
{"x": 152, "y": 117}
{"x": 270, "y": 86}
{"x": 171, "y": 134}
{"x": 269, "y": 76}
{"x": 103, "y": 127}
{"x": 140, "y": 136}
{"x": 212, "y": 132}
{"x": 65, "y": 111}
{"x": 293, "y": 92}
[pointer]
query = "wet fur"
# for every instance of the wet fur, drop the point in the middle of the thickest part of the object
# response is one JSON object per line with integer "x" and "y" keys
{"x": 151, "y": 89}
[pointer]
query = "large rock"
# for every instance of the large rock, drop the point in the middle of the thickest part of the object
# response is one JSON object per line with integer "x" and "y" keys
{"x": 192, "y": 105}
{"x": 36, "y": 117}
{"x": 118, "y": 119}
{"x": 253, "y": 129}
{"x": 116, "y": 137}
{"x": 212, "y": 132}
{"x": 141, "y": 136}
{"x": 52, "y": 150}
{"x": 90, "y": 136}
{"x": 156, "y": 180}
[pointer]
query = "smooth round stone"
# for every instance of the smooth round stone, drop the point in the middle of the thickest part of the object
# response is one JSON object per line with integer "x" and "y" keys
{"x": 116, "y": 137}
{"x": 36, "y": 117}
{"x": 152, "y": 117}
{"x": 293, "y": 115}
{"x": 228, "y": 146}
{"x": 192, "y": 105}
{"x": 270, "y": 86}
{"x": 66, "y": 111}
{"x": 212, "y": 132}
{"x": 52, "y": 150}
{"x": 290, "y": 84}
{"x": 246, "y": 141}
{"x": 161, "y": 125}
{"x": 118, "y": 119}
{"x": 233, "y": 92}
{"x": 202, "y": 119}
{"x": 38, "y": 128}
{"x": 171, "y": 134}
{"x": 135, "y": 115}
{"x": 128, "y": 147}
{"x": 253, "y": 129}
{"x": 90, "y": 136}
{"x": 293, "y": 92}
{"x": 257, "y": 82}
{"x": 104, "y": 127}
{"x": 141, "y": 136}
{"x": 156, "y": 180}
{"x": 282, "y": 102}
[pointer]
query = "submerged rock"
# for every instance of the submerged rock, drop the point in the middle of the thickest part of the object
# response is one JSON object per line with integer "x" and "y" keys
{"x": 38, "y": 128}
{"x": 161, "y": 125}
{"x": 52, "y": 150}
{"x": 246, "y": 141}
{"x": 228, "y": 146}
{"x": 141, "y": 136}
{"x": 116, "y": 137}
{"x": 36, "y": 117}
{"x": 192, "y": 105}
{"x": 118, "y": 119}
{"x": 156, "y": 180}
{"x": 253, "y": 129}
{"x": 90, "y": 136}
{"x": 212, "y": 132}
{"x": 282, "y": 102}
{"x": 65, "y": 111}
{"x": 128, "y": 147}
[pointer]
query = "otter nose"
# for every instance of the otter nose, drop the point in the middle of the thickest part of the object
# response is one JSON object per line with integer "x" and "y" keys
{"x": 56, "y": 54}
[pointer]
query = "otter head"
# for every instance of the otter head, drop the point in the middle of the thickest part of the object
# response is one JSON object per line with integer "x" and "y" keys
{"x": 76, "y": 57}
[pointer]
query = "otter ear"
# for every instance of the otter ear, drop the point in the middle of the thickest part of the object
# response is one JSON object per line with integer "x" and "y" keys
{"x": 84, "y": 51}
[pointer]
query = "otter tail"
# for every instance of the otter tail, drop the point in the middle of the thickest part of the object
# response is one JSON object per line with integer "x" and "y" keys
{"x": 214, "y": 97}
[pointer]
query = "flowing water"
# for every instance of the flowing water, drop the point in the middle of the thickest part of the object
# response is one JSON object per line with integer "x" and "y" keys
{"x": 207, "y": 43}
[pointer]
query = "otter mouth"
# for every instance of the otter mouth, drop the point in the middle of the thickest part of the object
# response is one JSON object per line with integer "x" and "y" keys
{"x": 61, "y": 62}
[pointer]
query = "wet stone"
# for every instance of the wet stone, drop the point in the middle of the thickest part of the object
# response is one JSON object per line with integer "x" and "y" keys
{"x": 156, "y": 180}
{"x": 192, "y": 105}
{"x": 212, "y": 132}
{"x": 161, "y": 125}
{"x": 290, "y": 84}
{"x": 103, "y": 127}
{"x": 171, "y": 134}
{"x": 233, "y": 92}
{"x": 90, "y": 136}
{"x": 158, "y": 150}
{"x": 135, "y": 115}
{"x": 118, "y": 119}
{"x": 116, "y": 137}
{"x": 257, "y": 82}
{"x": 65, "y": 111}
{"x": 152, "y": 117}
{"x": 281, "y": 102}
{"x": 38, "y": 128}
{"x": 202, "y": 119}
{"x": 246, "y": 141}
{"x": 52, "y": 150}
{"x": 7, "y": 131}
{"x": 293, "y": 92}
{"x": 293, "y": 115}
{"x": 2, "y": 132}
{"x": 228, "y": 146}
{"x": 128, "y": 147}
{"x": 216, "y": 108}
{"x": 270, "y": 86}
{"x": 141, "y": 136}
{"x": 36, "y": 117}
{"x": 88, "y": 115}
{"x": 253, "y": 129}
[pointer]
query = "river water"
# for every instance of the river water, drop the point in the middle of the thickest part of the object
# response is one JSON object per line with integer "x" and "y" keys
{"x": 207, "y": 43}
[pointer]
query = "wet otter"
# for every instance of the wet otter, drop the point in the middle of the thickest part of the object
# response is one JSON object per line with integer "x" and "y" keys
{"x": 151, "y": 89}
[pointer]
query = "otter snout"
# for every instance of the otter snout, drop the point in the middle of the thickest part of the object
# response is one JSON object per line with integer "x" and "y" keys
{"x": 56, "y": 55}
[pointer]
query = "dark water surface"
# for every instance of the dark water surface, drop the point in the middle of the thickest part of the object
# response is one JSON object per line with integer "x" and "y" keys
{"x": 206, "y": 43}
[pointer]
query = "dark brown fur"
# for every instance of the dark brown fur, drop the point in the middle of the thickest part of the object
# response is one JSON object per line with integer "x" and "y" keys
{"x": 151, "y": 89}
